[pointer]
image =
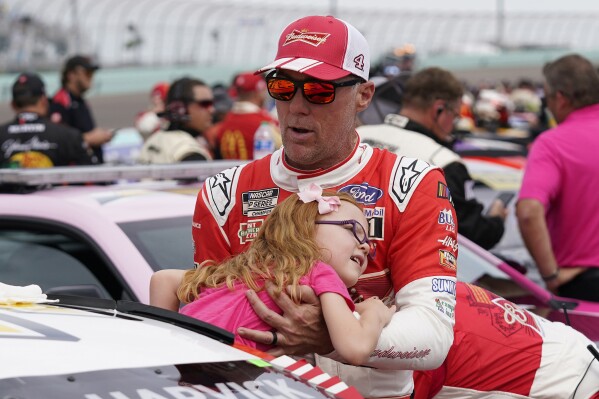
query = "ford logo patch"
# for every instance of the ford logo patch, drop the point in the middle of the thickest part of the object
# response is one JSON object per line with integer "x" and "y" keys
{"x": 363, "y": 193}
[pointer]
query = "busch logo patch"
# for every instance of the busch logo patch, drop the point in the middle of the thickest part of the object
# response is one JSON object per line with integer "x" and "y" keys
{"x": 312, "y": 38}
{"x": 249, "y": 231}
{"x": 363, "y": 193}
{"x": 259, "y": 203}
{"x": 446, "y": 218}
{"x": 447, "y": 259}
{"x": 443, "y": 285}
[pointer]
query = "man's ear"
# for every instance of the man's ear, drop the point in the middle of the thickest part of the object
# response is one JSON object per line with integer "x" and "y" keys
{"x": 561, "y": 99}
{"x": 364, "y": 95}
{"x": 437, "y": 108}
{"x": 563, "y": 104}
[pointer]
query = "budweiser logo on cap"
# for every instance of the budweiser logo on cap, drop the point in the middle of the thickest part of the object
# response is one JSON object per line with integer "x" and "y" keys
{"x": 312, "y": 38}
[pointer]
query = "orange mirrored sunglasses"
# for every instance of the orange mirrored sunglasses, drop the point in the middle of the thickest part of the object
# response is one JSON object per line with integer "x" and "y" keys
{"x": 283, "y": 88}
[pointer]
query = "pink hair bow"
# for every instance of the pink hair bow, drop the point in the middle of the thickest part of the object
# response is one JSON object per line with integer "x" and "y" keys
{"x": 325, "y": 204}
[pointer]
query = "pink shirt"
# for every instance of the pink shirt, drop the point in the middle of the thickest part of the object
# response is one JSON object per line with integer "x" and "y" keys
{"x": 562, "y": 172}
{"x": 230, "y": 309}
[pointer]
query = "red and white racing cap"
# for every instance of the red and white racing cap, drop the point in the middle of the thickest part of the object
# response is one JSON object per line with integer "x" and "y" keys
{"x": 325, "y": 48}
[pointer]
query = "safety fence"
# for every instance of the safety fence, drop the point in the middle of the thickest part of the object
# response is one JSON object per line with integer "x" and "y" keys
{"x": 39, "y": 34}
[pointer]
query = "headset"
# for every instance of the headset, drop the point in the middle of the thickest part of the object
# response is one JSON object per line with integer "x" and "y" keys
{"x": 176, "y": 102}
{"x": 439, "y": 112}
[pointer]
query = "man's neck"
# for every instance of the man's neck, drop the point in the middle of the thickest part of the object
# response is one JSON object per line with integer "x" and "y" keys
{"x": 32, "y": 109}
{"x": 418, "y": 117}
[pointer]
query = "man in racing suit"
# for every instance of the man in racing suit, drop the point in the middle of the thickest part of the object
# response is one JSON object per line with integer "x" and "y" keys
{"x": 431, "y": 103}
{"x": 503, "y": 350}
{"x": 409, "y": 214}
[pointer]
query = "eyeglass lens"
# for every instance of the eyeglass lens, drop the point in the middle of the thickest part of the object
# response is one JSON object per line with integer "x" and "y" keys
{"x": 315, "y": 92}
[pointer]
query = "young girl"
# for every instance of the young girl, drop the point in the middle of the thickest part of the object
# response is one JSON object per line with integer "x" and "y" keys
{"x": 308, "y": 239}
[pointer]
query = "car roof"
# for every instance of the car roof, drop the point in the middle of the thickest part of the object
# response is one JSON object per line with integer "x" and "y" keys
{"x": 73, "y": 349}
{"x": 43, "y": 339}
{"x": 121, "y": 203}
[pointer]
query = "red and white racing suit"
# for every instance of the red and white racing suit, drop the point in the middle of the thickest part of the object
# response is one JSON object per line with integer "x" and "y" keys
{"x": 503, "y": 351}
{"x": 410, "y": 219}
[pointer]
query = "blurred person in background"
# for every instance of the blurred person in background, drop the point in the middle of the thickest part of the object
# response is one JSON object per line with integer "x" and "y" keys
{"x": 31, "y": 140}
{"x": 222, "y": 105}
{"x": 423, "y": 129}
{"x": 557, "y": 205}
{"x": 148, "y": 121}
{"x": 189, "y": 108}
{"x": 70, "y": 108}
{"x": 235, "y": 134}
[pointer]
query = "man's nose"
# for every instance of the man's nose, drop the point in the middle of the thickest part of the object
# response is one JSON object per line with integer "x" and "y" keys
{"x": 298, "y": 104}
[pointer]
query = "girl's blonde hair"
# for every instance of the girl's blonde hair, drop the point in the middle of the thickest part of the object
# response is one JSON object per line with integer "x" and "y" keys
{"x": 283, "y": 252}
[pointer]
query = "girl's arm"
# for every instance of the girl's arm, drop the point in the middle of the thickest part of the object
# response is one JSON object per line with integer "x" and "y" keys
{"x": 354, "y": 339}
{"x": 163, "y": 288}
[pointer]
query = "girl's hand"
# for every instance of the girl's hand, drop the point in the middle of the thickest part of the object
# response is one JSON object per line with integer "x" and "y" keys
{"x": 375, "y": 306}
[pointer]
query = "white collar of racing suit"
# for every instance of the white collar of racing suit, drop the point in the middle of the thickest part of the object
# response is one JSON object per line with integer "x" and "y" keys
{"x": 294, "y": 180}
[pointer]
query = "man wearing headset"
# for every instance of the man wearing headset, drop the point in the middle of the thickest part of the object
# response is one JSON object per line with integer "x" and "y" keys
{"x": 431, "y": 104}
{"x": 189, "y": 109}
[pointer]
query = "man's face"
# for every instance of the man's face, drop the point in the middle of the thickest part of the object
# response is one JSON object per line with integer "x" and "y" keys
{"x": 552, "y": 104}
{"x": 200, "y": 110}
{"x": 318, "y": 136}
{"x": 82, "y": 78}
{"x": 445, "y": 120}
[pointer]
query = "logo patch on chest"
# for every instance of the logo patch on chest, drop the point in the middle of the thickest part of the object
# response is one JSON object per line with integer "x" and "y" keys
{"x": 249, "y": 231}
{"x": 363, "y": 193}
{"x": 259, "y": 203}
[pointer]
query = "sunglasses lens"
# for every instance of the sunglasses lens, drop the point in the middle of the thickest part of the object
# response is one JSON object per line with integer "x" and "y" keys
{"x": 206, "y": 103}
{"x": 319, "y": 92}
{"x": 281, "y": 89}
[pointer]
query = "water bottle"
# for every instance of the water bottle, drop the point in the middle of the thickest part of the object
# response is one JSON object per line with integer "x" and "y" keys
{"x": 264, "y": 141}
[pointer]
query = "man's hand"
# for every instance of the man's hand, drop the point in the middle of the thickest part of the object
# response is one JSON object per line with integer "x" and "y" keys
{"x": 300, "y": 330}
{"x": 497, "y": 209}
{"x": 97, "y": 137}
{"x": 566, "y": 274}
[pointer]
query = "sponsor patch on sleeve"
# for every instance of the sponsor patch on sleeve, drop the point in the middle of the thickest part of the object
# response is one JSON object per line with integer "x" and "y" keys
{"x": 445, "y": 307}
{"x": 447, "y": 285}
{"x": 447, "y": 259}
{"x": 443, "y": 192}
{"x": 446, "y": 218}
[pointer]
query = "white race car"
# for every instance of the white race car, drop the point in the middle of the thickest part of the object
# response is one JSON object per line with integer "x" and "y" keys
{"x": 89, "y": 348}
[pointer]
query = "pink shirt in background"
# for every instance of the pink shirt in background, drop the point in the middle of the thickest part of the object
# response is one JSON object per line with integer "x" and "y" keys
{"x": 230, "y": 309}
{"x": 562, "y": 172}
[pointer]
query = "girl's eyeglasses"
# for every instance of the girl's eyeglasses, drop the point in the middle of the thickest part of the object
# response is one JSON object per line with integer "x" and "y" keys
{"x": 358, "y": 230}
{"x": 315, "y": 91}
